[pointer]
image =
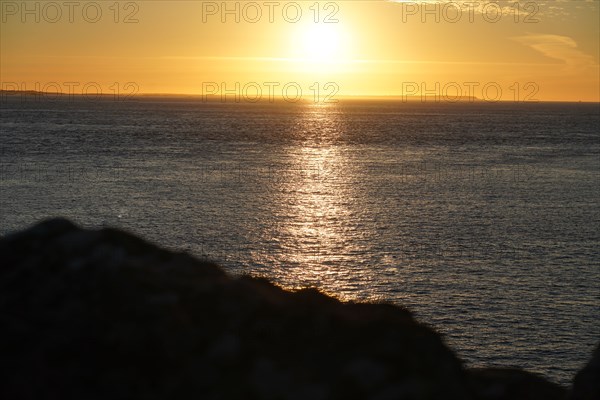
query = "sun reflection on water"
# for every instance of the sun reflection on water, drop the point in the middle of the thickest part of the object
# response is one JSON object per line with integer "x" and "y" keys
{"x": 317, "y": 198}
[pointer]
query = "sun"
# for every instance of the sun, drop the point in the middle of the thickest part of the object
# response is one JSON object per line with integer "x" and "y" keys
{"x": 322, "y": 43}
{"x": 321, "y": 46}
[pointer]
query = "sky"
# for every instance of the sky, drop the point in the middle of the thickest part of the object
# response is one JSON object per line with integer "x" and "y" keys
{"x": 445, "y": 50}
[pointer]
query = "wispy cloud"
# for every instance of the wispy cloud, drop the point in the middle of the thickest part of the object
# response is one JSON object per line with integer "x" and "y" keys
{"x": 558, "y": 47}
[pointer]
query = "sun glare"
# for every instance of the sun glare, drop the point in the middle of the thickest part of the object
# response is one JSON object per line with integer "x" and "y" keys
{"x": 321, "y": 47}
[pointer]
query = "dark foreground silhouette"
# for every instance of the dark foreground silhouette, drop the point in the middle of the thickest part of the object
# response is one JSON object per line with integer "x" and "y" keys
{"x": 105, "y": 315}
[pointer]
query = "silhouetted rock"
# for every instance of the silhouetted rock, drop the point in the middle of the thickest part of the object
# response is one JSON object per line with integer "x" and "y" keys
{"x": 105, "y": 315}
{"x": 586, "y": 385}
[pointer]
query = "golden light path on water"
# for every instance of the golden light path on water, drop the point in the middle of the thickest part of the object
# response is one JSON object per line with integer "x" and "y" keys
{"x": 321, "y": 242}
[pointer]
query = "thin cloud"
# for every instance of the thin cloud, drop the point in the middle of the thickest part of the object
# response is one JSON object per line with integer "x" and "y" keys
{"x": 558, "y": 47}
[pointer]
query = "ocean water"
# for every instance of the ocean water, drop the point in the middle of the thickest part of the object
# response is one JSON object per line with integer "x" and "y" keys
{"x": 483, "y": 219}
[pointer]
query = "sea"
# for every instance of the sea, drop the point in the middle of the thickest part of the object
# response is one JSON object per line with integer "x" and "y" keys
{"x": 481, "y": 218}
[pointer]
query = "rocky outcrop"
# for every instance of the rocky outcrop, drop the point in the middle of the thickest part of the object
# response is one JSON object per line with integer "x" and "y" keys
{"x": 105, "y": 315}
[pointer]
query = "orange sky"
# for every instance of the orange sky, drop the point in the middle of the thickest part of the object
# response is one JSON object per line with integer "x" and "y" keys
{"x": 544, "y": 51}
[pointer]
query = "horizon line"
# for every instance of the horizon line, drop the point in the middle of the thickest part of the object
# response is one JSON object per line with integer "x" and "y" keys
{"x": 461, "y": 99}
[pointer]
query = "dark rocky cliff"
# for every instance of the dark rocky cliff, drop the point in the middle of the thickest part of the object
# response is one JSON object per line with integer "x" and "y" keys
{"x": 105, "y": 315}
